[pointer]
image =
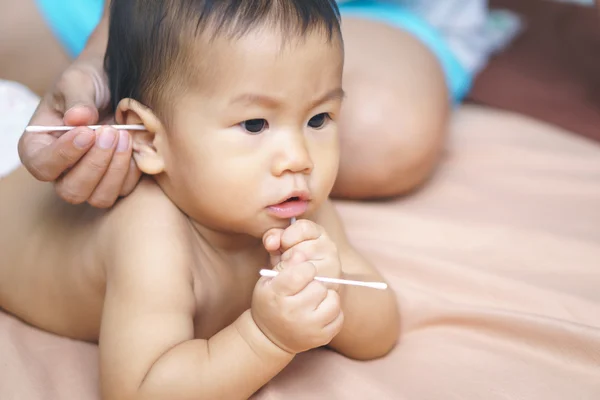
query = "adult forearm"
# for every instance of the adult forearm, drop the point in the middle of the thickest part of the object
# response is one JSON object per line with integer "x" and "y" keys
{"x": 96, "y": 44}
{"x": 233, "y": 364}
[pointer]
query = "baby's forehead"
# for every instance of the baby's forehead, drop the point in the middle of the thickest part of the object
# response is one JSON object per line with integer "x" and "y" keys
{"x": 156, "y": 49}
{"x": 259, "y": 39}
{"x": 255, "y": 56}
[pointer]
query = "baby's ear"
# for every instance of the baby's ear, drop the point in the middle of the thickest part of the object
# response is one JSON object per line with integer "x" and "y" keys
{"x": 147, "y": 149}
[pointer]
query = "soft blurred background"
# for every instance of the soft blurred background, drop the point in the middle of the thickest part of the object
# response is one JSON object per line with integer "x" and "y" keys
{"x": 552, "y": 70}
{"x": 495, "y": 262}
{"x": 549, "y": 71}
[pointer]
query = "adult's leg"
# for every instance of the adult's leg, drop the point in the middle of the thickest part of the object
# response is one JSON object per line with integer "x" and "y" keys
{"x": 29, "y": 51}
{"x": 395, "y": 116}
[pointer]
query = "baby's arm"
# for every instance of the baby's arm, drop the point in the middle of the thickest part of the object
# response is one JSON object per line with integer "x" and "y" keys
{"x": 371, "y": 324}
{"x": 147, "y": 345}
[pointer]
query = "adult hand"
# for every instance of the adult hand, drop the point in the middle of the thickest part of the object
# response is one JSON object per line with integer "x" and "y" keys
{"x": 85, "y": 166}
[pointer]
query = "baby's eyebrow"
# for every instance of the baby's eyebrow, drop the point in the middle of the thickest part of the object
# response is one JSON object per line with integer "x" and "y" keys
{"x": 271, "y": 102}
{"x": 251, "y": 98}
{"x": 335, "y": 94}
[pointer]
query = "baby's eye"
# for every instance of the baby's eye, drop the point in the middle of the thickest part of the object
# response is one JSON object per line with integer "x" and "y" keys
{"x": 255, "y": 126}
{"x": 318, "y": 120}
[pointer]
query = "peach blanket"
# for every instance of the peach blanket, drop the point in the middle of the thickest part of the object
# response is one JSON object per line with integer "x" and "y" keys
{"x": 497, "y": 268}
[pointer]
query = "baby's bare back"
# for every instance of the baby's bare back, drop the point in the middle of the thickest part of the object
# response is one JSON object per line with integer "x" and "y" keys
{"x": 50, "y": 272}
{"x": 55, "y": 257}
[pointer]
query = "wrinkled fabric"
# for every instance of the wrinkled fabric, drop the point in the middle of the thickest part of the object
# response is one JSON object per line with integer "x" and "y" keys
{"x": 496, "y": 264}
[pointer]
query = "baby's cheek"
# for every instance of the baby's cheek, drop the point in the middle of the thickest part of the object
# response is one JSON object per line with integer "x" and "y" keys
{"x": 324, "y": 177}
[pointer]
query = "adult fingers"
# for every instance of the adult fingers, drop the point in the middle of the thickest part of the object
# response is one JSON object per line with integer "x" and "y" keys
{"x": 78, "y": 184}
{"x": 108, "y": 190}
{"x": 47, "y": 157}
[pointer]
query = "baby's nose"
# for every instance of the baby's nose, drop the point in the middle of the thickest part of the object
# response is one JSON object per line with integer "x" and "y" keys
{"x": 294, "y": 156}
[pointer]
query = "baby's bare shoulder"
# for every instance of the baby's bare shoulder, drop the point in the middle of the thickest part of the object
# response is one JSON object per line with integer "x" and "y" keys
{"x": 147, "y": 225}
{"x": 146, "y": 210}
{"x": 146, "y": 205}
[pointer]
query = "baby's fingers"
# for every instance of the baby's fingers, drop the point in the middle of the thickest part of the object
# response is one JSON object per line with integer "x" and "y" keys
{"x": 301, "y": 231}
{"x": 272, "y": 243}
{"x": 335, "y": 326}
{"x": 293, "y": 280}
{"x": 272, "y": 240}
{"x": 330, "y": 308}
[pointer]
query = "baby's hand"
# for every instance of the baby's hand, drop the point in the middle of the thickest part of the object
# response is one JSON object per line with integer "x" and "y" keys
{"x": 296, "y": 312}
{"x": 304, "y": 241}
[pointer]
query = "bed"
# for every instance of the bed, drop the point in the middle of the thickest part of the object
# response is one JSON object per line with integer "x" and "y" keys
{"x": 496, "y": 263}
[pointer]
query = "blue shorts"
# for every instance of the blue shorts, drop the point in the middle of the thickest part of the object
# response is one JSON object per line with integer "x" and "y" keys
{"x": 458, "y": 79}
{"x": 71, "y": 21}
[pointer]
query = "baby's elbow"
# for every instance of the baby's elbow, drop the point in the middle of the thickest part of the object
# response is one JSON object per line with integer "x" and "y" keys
{"x": 376, "y": 342}
{"x": 384, "y": 339}
{"x": 372, "y": 350}
{"x": 127, "y": 390}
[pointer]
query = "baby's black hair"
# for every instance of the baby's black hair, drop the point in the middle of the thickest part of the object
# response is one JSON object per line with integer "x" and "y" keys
{"x": 147, "y": 38}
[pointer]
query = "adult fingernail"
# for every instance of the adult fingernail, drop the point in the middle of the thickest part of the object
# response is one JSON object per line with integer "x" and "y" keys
{"x": 84, "y": 139}
{"x": 107, "y": 138}
{"x": 123, "y": 144}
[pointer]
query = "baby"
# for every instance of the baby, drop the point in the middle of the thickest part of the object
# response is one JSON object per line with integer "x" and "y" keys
{"x": 240, "y": 102}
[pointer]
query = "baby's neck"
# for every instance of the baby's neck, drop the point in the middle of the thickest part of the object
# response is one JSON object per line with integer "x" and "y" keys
{"x": 241, "y": 255}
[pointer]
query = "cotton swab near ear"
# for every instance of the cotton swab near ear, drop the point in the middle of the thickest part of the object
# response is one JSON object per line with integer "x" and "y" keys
{"x": 34, "y": 128}
{"x": 374, "y": 285}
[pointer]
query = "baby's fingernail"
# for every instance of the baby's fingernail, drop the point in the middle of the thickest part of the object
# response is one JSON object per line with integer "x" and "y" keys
{"x": 279, "y": 267}
{"x": 84, "y": 139}
{"x": 123, "y": 144}
{"x": 107, "y": 138}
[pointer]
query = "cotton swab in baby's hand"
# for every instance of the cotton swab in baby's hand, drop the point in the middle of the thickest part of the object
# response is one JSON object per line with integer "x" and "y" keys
{"x": 374, "y": 285}
{"x": 34, "y": 128}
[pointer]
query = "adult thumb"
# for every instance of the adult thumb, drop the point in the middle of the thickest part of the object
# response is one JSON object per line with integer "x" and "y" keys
{"x": 84, "y": 93}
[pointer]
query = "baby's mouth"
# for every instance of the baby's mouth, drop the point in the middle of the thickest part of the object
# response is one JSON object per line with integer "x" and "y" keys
{"x": 293, "y": 206}
{"x": 290, "y": 200}
{"x": 295, "y": 197}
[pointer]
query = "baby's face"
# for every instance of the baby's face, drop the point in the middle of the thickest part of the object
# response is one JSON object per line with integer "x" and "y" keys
{"x": 257, "y": 143}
